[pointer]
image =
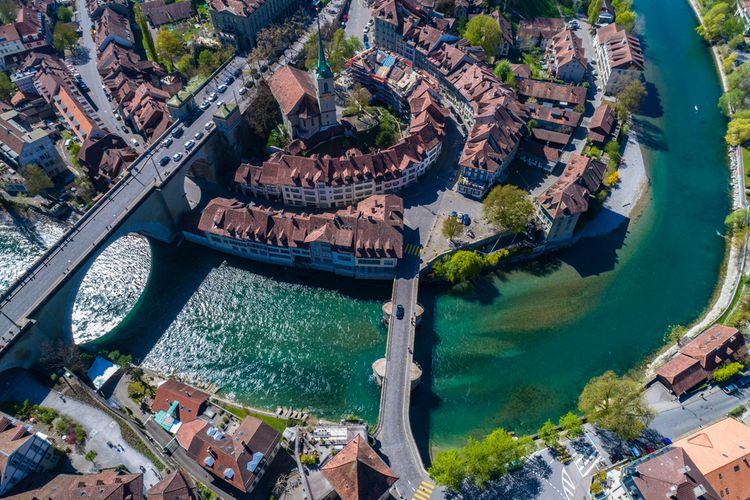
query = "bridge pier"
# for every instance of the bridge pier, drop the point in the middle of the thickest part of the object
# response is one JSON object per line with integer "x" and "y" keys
{"x": 415, "y": 373}
{"x": 388, "y": 312}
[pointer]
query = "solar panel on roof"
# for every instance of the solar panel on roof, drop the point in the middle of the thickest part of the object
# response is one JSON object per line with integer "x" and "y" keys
{"x": 253, "y": 464}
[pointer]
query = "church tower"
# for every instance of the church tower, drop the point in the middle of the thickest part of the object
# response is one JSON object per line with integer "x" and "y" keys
{"x": 324, "y": 81}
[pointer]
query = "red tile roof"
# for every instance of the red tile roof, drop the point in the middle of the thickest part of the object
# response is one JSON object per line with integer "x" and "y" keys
{"x": 176, "y": 486}
{"x": 709, "y": 342}
{"x": 191, "y": 399}
{"x": 358, "y": 473}
{"x": 602, "y": 123}
{"x": 569, "y": 195}
{"x": 552, "y": 91}
{"x": 106, "y": 485}
{"x": 292, "y": 88}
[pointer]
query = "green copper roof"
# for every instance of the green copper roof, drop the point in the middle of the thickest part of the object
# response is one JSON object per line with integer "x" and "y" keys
{"x": 322, "y": 68}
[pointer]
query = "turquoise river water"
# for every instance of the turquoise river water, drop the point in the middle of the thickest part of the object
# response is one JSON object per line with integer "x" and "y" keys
{"x": 512, "y": 351}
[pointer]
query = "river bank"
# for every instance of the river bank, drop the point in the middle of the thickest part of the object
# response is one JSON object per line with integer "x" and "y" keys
{"x": 736, "y": 260}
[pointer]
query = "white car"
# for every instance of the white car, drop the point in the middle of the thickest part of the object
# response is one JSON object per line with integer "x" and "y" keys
{"x": 243, "y": 91}
{"x": 213, "y": 96}
{"x": 219, "y": 104}
{"x": 205, "y": 104}
{"x": 167, "y": 142}
{"x": 189, "y": 145}
{"x": 208, "y": 125}
{"x": 177, "y": 156}
{"x": 222, "y": 88}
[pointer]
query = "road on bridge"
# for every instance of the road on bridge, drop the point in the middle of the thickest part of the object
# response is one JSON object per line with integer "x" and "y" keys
{"x": 394, "y": 429}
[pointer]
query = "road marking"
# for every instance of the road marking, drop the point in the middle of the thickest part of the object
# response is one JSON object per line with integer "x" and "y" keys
{"x": 420, "y": 496}
{"x": 423, "y": 492}
{"x": 569, "y": 487}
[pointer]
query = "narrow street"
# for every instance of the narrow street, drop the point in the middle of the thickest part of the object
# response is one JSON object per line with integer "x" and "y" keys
{"x": 85, "y": 63}
{"x": 359, "y": 15}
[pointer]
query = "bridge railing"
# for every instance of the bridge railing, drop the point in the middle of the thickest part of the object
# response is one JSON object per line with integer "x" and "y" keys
{"x": 31, "y": 272}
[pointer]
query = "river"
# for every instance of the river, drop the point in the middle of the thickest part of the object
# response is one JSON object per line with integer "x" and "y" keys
{"x": 512, "y": 351}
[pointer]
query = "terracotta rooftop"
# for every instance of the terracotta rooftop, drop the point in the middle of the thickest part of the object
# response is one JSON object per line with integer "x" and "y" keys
{"x": 107, "y": 485}
{"x": 717, "y": 445}
{"x": 176, "y": 486}
{"x": 552, "y": 91}
{"x": 671, "y": 475}
{"x": 358, "y": 473}
{"x": 292, "y": 87}
{"x": 709, "y": 341}
{"x": 569, "y": 195}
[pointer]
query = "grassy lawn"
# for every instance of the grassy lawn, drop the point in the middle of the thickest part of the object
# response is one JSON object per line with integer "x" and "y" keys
{"x": 746, "y": 164}
{"x": 277, "y": 423}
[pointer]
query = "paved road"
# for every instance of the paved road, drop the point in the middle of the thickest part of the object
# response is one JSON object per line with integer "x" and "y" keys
{"x": 359, "y": 15}
{"x": 85, "y": 63}
{"x": 100, "y": 427}
{"x": 675, "y": 419}
{"x": 394, "y": 428}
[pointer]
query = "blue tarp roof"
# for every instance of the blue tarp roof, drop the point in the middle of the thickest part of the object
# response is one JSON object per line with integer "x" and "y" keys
{"x": 101, "y": 371}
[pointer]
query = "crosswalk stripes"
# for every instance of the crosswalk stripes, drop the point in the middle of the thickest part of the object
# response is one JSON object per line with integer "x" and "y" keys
{"x": 413, "y": 249}
{"x": 423, "y": 491}
{"x": 568, "y": 485}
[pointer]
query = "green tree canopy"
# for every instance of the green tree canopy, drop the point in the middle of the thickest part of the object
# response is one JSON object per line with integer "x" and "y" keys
{"x": 65, "y": 14}
{"x": 36, "y": 179}
{"x": 480, "y": 461}
{"x": 169, "y": 46}
{"x": 8, "y": 11}
{"x": 719, "y": 22}
{"x": 571, "y": 423}
{"x": 64, "y": 37}
{"x": 452, "y": 228}
{"x": 727, "y": 371}
{"x": 504, "y": 71}
{"x": 628, "y": 100}
{"x": 508, "y": 207}
{"x": 615, "y": 404}
{"x": 463, "y": 265}
{"x": 388, "y": 130}
{"x": 6, "y": 86}
{"x": 595, "y": 6}
{"x": 549, "y": 433}
{"x": 738, "y": 131}
{"x": 626, "y": 20}
{"x": 738, "y": 95}
{"x": 359, "y": 98}
{"x": 483, "y": 31}
{"x": 737, "y": 221}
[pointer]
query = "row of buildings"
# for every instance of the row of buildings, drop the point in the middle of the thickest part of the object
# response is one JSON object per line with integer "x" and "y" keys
{"x": 698, "y": 359}
{"x": 30, "y": 31}
{"x": 712, "y": 463}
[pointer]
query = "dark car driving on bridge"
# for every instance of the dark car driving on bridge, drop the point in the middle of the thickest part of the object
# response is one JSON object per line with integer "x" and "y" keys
{"x": 399, "y": 312}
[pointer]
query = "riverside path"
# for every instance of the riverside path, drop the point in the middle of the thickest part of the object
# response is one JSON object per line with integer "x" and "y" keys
{"x": 394, "y": 429}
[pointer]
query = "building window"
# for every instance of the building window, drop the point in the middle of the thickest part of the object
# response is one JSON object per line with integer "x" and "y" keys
{"x": 736, "y": 468}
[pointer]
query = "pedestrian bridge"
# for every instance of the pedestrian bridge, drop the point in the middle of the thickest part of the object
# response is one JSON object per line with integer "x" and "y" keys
{"x": 149, "y": 200}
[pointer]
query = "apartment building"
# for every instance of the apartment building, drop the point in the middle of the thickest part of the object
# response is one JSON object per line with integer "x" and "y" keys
{"x": 239, "y": 21}
{"x": 561, "y": 205}
{"x": 620, "y": 58}
{"x": 565, "y": 57}
{"x": 22, "y": 452}
{"x": 365, "y": 241}
{"x": 21, "y": 145}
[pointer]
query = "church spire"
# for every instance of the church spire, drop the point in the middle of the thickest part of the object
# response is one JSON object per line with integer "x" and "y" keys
{"x": 322, "y": 68}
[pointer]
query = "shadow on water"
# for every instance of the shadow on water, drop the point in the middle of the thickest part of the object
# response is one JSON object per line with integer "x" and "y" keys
{"x": 178, "y": 272}
{"x": 651, "y": 106}
{"x": 423, "y": 399}
{"x": 597, "y": 254}
{"x": 25, "y": 228}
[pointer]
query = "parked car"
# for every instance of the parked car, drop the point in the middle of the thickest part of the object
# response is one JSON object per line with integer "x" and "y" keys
{"x": 198, "y": 135}
{"x": 219, "y": 104}
{"x": 189, "y": 145}
{"x": 743, "y": 381}
{"x": 221, "y": 89}
{"x": 164, "y": 161}
{"x": 208, "y": 125}
{"x": 213, "y": 96}
{"x": 399, "y": 312}
{"x": 228, "y": 80}
{"x": 167, "y": 142}
{"x": 177, "y": 157}
{"x": 729, "y": 388}
{"x": 177, "y": 133}
{"x": 134, "y": 142}
{"x": 205, "y": 104}
{"x": 454, "y": 214}
{"x": 237, "y": 72}
{"x": 466, "y": 220}
{"x": 243, "y": 90}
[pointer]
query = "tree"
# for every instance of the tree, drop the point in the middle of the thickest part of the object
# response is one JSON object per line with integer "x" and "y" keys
{"x": 388, "y": 130}
{"x": 186, "y": 66}
{"x": 342, "y": 49}
{"x": 595, "y": 6}
{"x": 727, "y": 371}
{"x": 737, "y": 221}
{"x": 65, "y": 14}
{"x": 738, "y": 131}
{"x": 146, "y": 38}
{"x": 463, "y": 265}
{"x": 483, "y": 31}
{"x": 508, "y": 207}
{"x": 359, "y": 98}
{"x": 64, "y": 37}
{"x": 6, "y": 86}
{"x": 549, "y": 433}
{"x": 36, "y": 179}
{"x": 8, "y": 11}
{"x": 504, "y": 71}
{"x": 626, "y": 20}
{"x": 571, "y": 423}
{"x": 91, "y": 455}
{"x": 448, "y": 468}
{"x": 613, "y": 150}
{"x": 266, "y": 113}
{"x": 85, "y": 189}
{"x": 628, "y": 100}
{"x": 452, "y": 228}
{"x": 169, "y": 46}
{"x": 615, "y": 404}
{"x": 719, "y": 22}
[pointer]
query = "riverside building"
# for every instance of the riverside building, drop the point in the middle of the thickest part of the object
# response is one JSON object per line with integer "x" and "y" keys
{"x": 239, "y": 21}
{"x": 361, "y": 242}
